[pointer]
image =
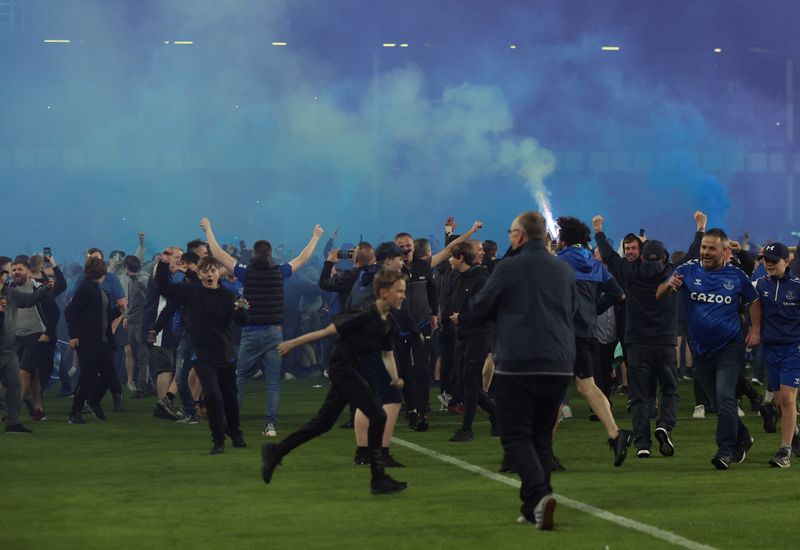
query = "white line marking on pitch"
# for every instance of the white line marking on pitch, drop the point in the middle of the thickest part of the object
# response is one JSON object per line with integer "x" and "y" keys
{"x": 587, "y": 508}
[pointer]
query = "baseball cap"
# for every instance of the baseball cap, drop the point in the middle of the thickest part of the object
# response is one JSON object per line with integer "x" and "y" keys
{"x": 774, "y": 252}
{"x": 653, "y": 250}
{"x": 388, "y": 250}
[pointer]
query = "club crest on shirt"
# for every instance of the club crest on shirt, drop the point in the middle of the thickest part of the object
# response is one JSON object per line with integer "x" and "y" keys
{"x": 729, "y": 285}
{"x": 790, "y": 295}
{"x": 698, "y": 282}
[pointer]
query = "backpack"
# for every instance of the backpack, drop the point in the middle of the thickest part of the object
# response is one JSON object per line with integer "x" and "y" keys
{"x": 362, "y": 295}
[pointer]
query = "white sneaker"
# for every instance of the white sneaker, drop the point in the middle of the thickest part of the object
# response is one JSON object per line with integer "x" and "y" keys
{"x": 566, "y": 412}
{"x": 270, "y": 431}
{"x": 741, "y": 412}
{"x": 444, "y": 399}
{"x": 288, "y": 376}
{"x": 756, "y": 382}
{"x": 699, "y": 411}
{"x": 132, "y": 386}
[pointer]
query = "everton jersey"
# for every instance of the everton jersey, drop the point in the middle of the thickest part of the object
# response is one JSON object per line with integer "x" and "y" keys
{"x": 711, "y": 301}
{"x": 780, "y": 306}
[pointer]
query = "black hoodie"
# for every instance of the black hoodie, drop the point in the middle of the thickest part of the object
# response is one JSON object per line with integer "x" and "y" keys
{"x": 648, "y": 320}
{"x": 467, "y": 285}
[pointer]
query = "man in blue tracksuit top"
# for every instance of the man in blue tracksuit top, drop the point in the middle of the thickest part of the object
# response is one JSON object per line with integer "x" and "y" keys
{"x": 711, "y": 291}
{"x": 779, "y": 292}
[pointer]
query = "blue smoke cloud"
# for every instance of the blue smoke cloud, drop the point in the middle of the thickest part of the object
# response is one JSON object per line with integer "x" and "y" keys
{"x": 335, "y": 129}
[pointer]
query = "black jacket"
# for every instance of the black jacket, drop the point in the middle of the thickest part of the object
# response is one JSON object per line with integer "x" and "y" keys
{"x": 48, "y": 308}
{"x": 532, "y": 298}
{"x": 84, "y": 315}
{"x": 209, "y": 315}
{"x": 467, "y": 285}
{"x": 341, "y": 283}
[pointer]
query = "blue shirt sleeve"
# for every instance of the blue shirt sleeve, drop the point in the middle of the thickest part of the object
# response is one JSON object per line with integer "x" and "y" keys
{"x": 286, "y": 271}
{"x": 117, "y": 291}
{"x": 240, "y": 272}
{"x": 749, "y": 294}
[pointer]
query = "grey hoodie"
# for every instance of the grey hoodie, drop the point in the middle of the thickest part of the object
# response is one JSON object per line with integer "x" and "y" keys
{"x": 16, "y": 299}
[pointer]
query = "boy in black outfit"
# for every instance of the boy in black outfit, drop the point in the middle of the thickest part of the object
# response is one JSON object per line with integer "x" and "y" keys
{"x": 210, "y": 309}
{"x": 360, "y": 334}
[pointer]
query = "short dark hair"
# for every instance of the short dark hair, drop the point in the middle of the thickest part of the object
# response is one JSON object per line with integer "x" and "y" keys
{"x": 402, "y": 234}
{"x": 420, "y": 248}
{"x": 97, "y": 250}
{"x": 572, "y": 231}
{"x": 117, "y": 253}
{"x": 717, "y": 232}
{"x": 189, "y": 258}
{"x": 262, "y": 247}
{"x": 197, "y": 243}
{"x": 5, "y": 260}
{"x": 365, "y": 254}
{"x": 208, "y": 262}
{"x": 385, "y": 278}
{"x": 677, "y": 257}
{"x": 94, "y": 268}
{"x": 533, "y": 225}
{"x": 132, "y": 264}
{"x": 489, "y": 247}
{"x": 631, "y": 238}
{"x": 464, "y": 251}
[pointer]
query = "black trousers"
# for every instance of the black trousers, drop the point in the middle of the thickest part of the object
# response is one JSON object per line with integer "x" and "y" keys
{"x": 413, "y": 363}
{"x": 470, "y": 354}
{"x": 47, "y": 365}
{"x": 527, "y": 408}
{"x": 97, "y": 374}
{"x": 348, "y": 386}
{"x": 646, "y": 362}
{"x": 450, "y": 374}
{"x": 222, "y": 405}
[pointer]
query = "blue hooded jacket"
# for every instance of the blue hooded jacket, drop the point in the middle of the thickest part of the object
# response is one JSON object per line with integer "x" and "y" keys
{"x": 597, "y": 288}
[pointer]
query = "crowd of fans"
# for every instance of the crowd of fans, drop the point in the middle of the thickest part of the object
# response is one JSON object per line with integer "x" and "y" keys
{"x": 157, "y": 328}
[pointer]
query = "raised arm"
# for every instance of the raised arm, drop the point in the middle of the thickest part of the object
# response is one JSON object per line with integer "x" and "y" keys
{"x": 444, "y": 253}
{"x": 54, "y": 272}
{"x": 701, "y": 221}
{"x": 177, "y": 293}
{"x": 216, "y": 250}
{"x": 618, "y": 268}
{"x": 305, "y": 255}
{"x": 140, "y": 249}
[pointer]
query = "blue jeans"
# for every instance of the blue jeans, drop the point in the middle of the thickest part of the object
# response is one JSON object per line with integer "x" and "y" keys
{"x": 259, "y": 350}
{"x": 718, "y": 373}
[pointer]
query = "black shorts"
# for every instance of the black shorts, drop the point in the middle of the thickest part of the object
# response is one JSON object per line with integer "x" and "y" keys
{"x": 31, "y": 352}
{"x": 121, "y": 336}
{"x": 380, "y": 381}
{"x": 162, "y": 359}
{"x": 584, "y": 357}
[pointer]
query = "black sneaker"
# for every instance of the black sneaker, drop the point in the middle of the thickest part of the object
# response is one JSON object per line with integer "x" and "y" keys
{"x": 665, "y": 443}
{"x": 740, "y": 453}
{"x": 782, "y": 459}
{"x": 721, "y": 462}
{"x": 76, "y": 419}
{"x": 385, "y": 485}
{"x": 361, "y": 457}
{"x": 620, "y": 446}
{"x": 18, "y": 428}
{"x": 769, "y": 415}
{"x": 422, "y": 424}
{"x": 556, "y": 466}
{"x": 390, "y": 462}
{"x": 643, "y": 453}
{"x": 755, "y": 403}
{"x": 412, "y": 419}
{"x": 238, "y": 441}
{"x": 217, "y": 449}
{"x": 270, "y": 458}
{"x": 118, "y": 404}
{"x": 796, "y": 442}
{"x": 462, "y": 436}
{"x": 97, "y": 411}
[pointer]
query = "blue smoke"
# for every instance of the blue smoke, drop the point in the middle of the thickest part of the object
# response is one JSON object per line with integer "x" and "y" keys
{"x": 336, "y": 129}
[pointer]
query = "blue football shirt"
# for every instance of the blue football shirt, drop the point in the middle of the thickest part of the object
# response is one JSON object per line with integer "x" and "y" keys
{"x": 711, "y": 300}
